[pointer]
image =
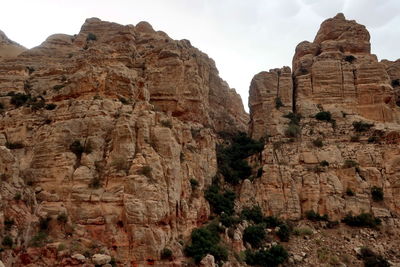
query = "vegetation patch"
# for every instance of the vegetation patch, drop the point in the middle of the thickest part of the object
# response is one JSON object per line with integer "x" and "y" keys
{"x": 254, "y": 235}
{"x": 318, "y": 142}
{"x": 360, "y": 126}
{"x": 278, "y": 103}
{"x": 362, "y": 220}
{"x": 15, "y": 145}
{"x": 349, "y": 163}
{"x": 272, "y": 257}
{"x": 377, "y": 193}
{"x": 324, "y": 116}
{"x": 313, "y": 216}
{"x": 293, "y": 129}
{"x": 231, "y": 159}
{"x": 166, "y": 254}
{"x": 220, "y": 202}
{"x": 194, "y": 183}
{"x": 206, "y": 240}
{"x": 371, "y": 259}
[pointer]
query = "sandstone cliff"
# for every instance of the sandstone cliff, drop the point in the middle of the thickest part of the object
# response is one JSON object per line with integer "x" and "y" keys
{"x": 106, "y": 130}
{"x": 320, "y": 157}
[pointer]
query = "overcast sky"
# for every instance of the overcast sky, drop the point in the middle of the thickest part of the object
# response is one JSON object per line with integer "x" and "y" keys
{"x": 244, "y": 37}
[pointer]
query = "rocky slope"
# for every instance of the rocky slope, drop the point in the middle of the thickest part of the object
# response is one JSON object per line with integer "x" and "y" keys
{"x": 105, "y": 129}
{"x": 318, "y": 157}
{"x": 111, "y": 138}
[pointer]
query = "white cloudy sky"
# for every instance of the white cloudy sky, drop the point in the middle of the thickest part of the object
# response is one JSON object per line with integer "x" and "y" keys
{"x": 244, "y": 37}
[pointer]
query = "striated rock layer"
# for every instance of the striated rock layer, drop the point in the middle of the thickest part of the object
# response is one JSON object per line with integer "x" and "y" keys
{"x": 118, "y": 122}
{"x": 315, "y": 164}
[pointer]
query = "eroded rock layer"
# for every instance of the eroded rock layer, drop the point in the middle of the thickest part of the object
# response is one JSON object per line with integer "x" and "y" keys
{"x": 107, "y": 129}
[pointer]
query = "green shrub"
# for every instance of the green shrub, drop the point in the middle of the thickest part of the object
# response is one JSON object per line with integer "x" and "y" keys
{"x": 313, "y": 216}
{"x": 284, "y": 232}
{"x": 396, "y": 83}
{"x": 292, "y": 130}
{"x": 272, "y": 257}
{"x": 220, "y": 202}
{"x": 303, "y": 231}
{"x": 231, "y": 159}
{"x": 7, "y": 241}
{"x": 324, "y": 163}
{"x": 166, "y": 123}
{"x": 294, "y": 118}
{"x": 194, "y": 183}
{"x": 19, "y": 99}
{"x": 362, "y": 220}
{"x": 146, "y": 171}
{"x": 253, "y": 214}
{"x": 95, "y": 183}
{"x": 318, "y": 142}
{"x": 44, "y": 224}
{"x": 8, "y": 223}
{"x": 205, "y": 240}
{"x": 62, "y": 218}
{"x": 278, "y": 103}
{"x": 254, "y": 235}
{"x": 16, "y": 145}
{"x": 371, "y": 259}
{"x": 91, "y": 37}
{"x": 229, "y": 220}
{"x": 324, "y": 116}
{"x": 17, "y": 196}
{"x": 360, "y": 126}
{"x": 349, "y": 58}
{"x": 77, "y": 148}
{"x": 124, "y": 100}
{"x": 271, "y": 221}
{"x": 349, "y": 192}
{"x": 377, "y": 193}
{"x": 50, "y": 106}
{"x": 39, "y": 240}
{"x": 348, "y": 163}
{"x": 166, "y": 254}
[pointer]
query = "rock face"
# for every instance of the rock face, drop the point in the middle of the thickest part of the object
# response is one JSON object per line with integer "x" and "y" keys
{"x": 9, "y": 48}
{"x": 338, "y": 69}
{"x": 114, "y": 123}
{"x": 327, "y": 165}
{"x": 270, "y": 96}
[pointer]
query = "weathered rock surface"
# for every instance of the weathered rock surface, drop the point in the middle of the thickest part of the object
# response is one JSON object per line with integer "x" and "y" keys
{"x": 144, "y": 110}
{"x": 338, "y": 69}
{"x": 9, "y": 48}
{"x": 336, "y": 73}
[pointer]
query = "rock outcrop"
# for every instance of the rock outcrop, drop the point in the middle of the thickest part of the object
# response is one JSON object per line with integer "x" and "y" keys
{"x": 105, "y": 130}
{"x": 338, "y": 69}
{"x": 306, "y": 165}
{"x": 9, "y": 48}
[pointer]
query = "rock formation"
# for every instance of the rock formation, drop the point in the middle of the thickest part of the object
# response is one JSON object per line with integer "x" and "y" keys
{"x": 9, "y": 48}
{"x": 106, "y": 129}
{"x": 108, "y": 148}
{"x": 335, "y": 75}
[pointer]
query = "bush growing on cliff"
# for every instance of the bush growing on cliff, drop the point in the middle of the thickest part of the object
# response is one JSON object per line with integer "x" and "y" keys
{"x": 253, "y": 214}
{"x": 7, "y": 241}
{"x": 194, "y": 183}
{"x": 324, "y": 116}
{"x": 91, "y": 37}
{"x": 272, "y": 257}
{"x": 371, "y": 259}
{"x": 205, "y": 240}
{"x": 293, "y": 129}
{"x": 284, "y": 232}
{"x": 254, "y": 235}
{"x": 278, "y": 103}
{"x": 19, "y": 99}
{"x": 220, "y": 202}
{"x": 349, "y": 163}
{"x": 313, "y": 216}
{"x": 231, "y": 159}
{"x": 396, "y": 83}
{"x": 360, "y": 126}
{"x": 377, "y": 193}
{"x": 350, "y": 58}
{"x": 362, "y": 220}
{"x": 166, "y": 254}
{"x": 318, "y": 142}
{"x": 15, "y": 145}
